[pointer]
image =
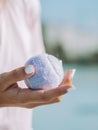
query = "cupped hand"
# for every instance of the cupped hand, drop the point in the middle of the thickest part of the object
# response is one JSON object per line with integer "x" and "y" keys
{"x": 12, "y": 95}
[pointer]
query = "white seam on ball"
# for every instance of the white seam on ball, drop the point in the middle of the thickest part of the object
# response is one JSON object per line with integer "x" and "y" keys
{"x": 51, "y": 65}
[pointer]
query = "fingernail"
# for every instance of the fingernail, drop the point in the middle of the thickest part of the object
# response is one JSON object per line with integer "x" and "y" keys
{"x": 29, "y": 69}
{"x": 72, "y": 88}
{"x": 73, "y": 73}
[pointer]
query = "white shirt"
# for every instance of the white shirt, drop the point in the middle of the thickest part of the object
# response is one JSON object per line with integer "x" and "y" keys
{"x": 20, "y": 39}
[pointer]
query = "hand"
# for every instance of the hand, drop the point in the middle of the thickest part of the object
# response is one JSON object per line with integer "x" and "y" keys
{"x": 11, "y": 95}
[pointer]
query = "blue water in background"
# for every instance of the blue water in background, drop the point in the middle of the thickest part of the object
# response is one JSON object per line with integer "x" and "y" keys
{"x": 78, "y": 109}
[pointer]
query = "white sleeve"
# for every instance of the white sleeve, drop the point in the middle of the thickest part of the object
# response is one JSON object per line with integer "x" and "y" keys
{"x": 33, "y": 10}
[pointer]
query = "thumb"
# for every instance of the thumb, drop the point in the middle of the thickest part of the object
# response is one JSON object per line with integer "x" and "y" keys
{"x": 19, "y": 74}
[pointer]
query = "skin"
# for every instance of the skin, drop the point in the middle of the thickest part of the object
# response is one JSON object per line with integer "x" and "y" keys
{"x": 12, "y": 95}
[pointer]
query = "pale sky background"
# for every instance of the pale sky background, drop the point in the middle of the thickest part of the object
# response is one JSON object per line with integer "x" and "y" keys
{"x": 78, "y": 13}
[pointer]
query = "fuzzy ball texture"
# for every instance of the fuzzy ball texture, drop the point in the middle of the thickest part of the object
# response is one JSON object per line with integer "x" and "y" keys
{"x": 48, "y": 72}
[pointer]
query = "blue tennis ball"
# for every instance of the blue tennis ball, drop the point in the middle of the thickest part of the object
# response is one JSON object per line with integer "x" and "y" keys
{"x": 48, "y": 72}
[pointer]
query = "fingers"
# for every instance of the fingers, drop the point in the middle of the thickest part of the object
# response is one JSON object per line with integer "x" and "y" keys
{"x": 33, "y": 105}
{"x": 13, "y": 76}
{"x": 27, "y": 98}
{"x": 68, "y": 79}
{"x": 40, "y": 96}
{"x": 67, "y": 76}
{"x": 54, "y": 93}
{"x": 21, "y": 73}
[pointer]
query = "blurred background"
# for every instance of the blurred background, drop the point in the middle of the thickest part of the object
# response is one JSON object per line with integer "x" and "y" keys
{"x": 70, "y": 32}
